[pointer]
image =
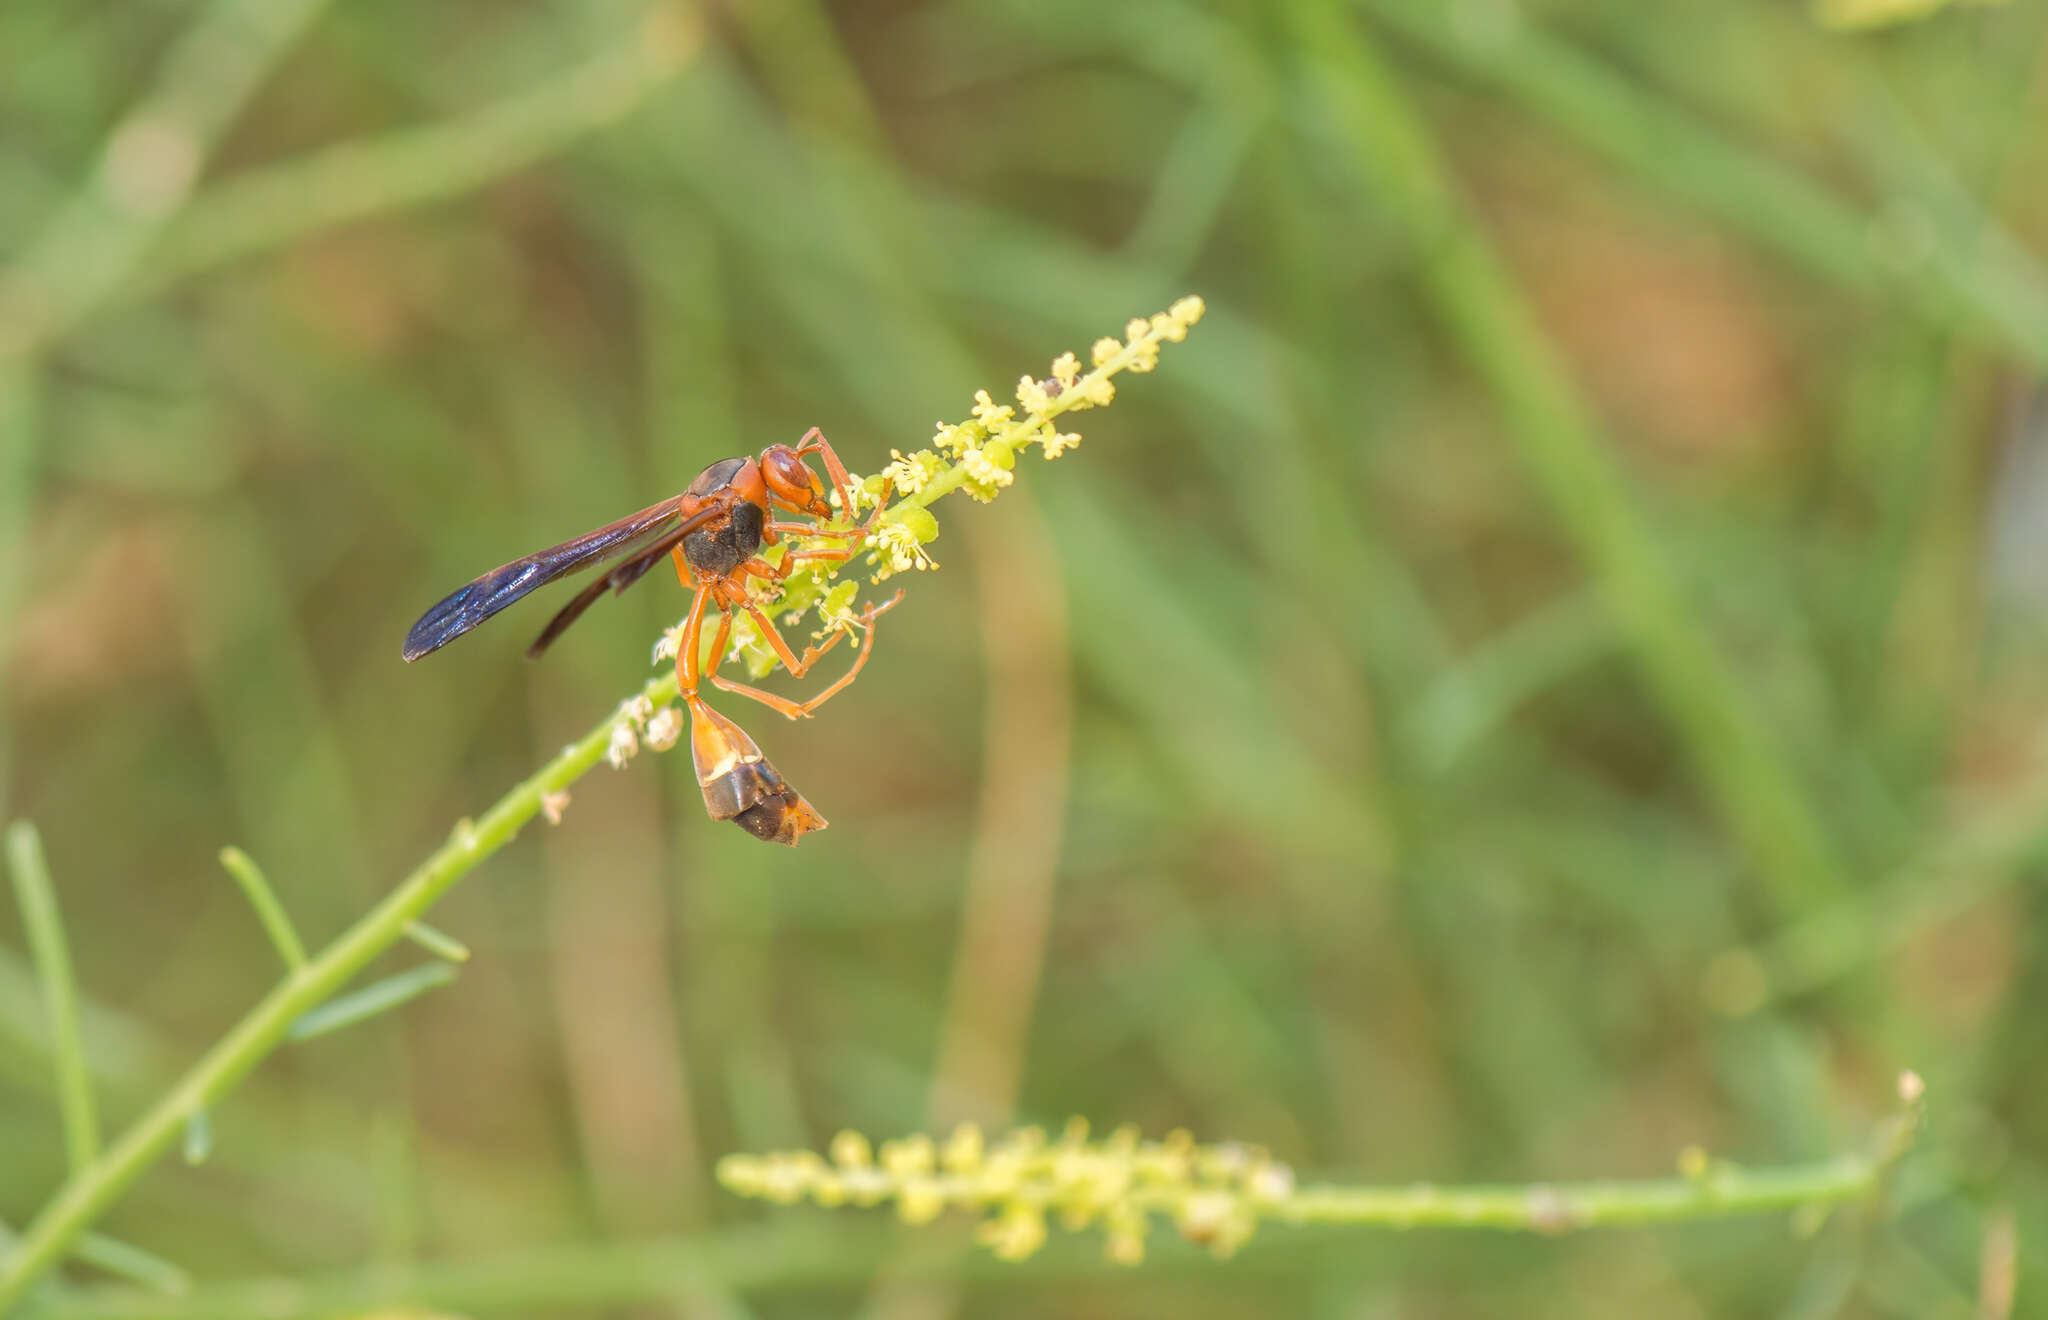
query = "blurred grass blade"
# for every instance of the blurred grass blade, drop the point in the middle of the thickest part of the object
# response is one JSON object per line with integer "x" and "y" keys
{"x": 45, "y": 928}
{"x": 126, "y": 1261}
{"x": 1993, "y": 287}
{"x": 437, "y": 943}
{"x": 280, "y": 204}
{"x": 1861, "y": 15}
{"x": 198, "y": 1137}
{"x": 1727, "y": 741}
{"x": 147, "y": 169}
{"x": 1470, "y": 700}
{"x": 269, "y": 911}
{"x": 371, "y": 1000}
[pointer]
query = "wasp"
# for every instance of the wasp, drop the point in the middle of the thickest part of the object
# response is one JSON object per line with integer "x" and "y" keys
{"x": 714, "y": 532}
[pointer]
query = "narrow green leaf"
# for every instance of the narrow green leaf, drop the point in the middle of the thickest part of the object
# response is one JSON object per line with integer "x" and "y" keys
{"x": 384, "y": 995}
{"x": 437, "y": 943}
{"x": 45, "y": 927}
{"x": 127, "y": 1261}
{"x": 198, "y": 1137}
{"x": 268, "y": 910}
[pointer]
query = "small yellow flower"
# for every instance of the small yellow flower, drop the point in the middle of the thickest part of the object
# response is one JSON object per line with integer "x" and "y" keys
{"x": 910, "y": 1157}
{"x": 1066, "y": 369}
{"x": 1016, "y": 1233}
{"x": 963, "y": 1150}
{"x": 1031, "y": 396}
{"x": 990, "y": 413}
{"x": 850, "y": 1150}
{"x": 907, "y": 475}
{"x": 920, "y": 1200}
{"x": 1104, "y": 350}
{"x": 1060, "y": 443}
{"x": 901, "y": 550}
{"x": 983, "y": 469}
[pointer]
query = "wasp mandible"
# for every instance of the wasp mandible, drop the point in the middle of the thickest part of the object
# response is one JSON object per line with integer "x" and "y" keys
{"x": 714, "y": 532}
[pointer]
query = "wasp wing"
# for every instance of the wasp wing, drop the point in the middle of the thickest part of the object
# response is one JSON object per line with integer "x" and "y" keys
{"x": 620, "y": 577}
{"x": 472, "y": 604}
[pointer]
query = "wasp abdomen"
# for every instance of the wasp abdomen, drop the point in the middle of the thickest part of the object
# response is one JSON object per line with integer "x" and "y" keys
{"x": 740, "y": 786}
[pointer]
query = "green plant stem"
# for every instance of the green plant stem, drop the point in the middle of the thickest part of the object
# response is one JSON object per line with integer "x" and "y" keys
{"x": 800, "y": 1255}
{"x": 1559, "y": 1207}
{"x": 276, "y": 924}
{"x": 45, "y": 927}
{"x": 372, "y": 1000}
{"x": 438, "y": 943}
{"x": 1731, "y": 749}
{"x": 90, "y": 1191}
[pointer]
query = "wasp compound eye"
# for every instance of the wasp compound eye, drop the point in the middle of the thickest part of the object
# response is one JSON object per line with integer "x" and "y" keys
{"x": 792, "y": 481}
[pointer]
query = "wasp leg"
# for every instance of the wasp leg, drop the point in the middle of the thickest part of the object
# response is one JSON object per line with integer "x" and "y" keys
{"x": 737, "y": 782}
{"x": 812, "y": 529}
{"x": 796, "y": 710}
{"x": 689, "y": 666}
{"x": 791, "y": 560}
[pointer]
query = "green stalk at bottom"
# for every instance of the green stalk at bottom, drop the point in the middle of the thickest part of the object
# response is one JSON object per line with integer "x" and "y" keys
{"x": 89, "y": 1192}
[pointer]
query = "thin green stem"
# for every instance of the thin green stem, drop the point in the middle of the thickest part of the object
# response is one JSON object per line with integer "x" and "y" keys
{"x": 91, "y": 1190}
{"x": 45, "y": 928}
{"x": 582, "y": 1275}
{"x": 268, "y": 208}
{"x": 269, "y": 911}
{"x": 198, "y": 1137}
{"x": 127, "y": 1261}
{"x": 1560, "y": 1207}
{"x": 438, "y": 943}
{"x": 1730, "y": 746}
{"x": 146, "y": 172}
{"x": 372, "y": 1000}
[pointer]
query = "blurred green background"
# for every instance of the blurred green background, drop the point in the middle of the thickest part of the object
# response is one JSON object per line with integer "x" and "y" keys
{"x": 1465, "y": 716}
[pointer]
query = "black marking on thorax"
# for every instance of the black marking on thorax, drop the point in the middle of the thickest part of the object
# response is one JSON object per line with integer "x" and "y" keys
{"x": 720, "y": 548}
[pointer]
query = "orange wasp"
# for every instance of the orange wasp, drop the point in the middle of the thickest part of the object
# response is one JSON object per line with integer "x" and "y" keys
{"x": 714, "y": 532}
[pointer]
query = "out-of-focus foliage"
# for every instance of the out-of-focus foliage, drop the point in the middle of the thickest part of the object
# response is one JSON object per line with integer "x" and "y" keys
{"x": 1855, "y": 14}
{"x": 1291, "y": 764}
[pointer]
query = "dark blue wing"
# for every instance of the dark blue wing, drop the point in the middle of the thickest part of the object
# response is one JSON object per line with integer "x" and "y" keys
{"x": 471, "y": 605}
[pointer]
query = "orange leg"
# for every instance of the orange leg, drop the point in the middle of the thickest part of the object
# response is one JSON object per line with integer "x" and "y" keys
{"x": 798, "y": 668}
{"x": 791, "y": 560}
{"x": 801, "y": 709}
{"x": 811, "y": 529}
{"x": 689, "y": 671}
